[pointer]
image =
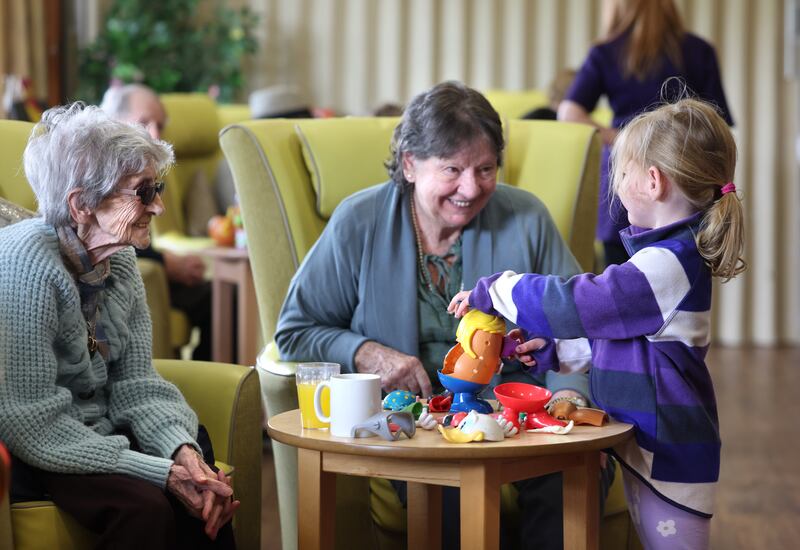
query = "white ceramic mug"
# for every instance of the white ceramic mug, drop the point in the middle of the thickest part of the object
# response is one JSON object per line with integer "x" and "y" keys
{"x": 354, "y": 398}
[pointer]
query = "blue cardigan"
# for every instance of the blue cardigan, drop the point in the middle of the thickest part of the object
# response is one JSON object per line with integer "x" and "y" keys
{"x": 359, "y": 280}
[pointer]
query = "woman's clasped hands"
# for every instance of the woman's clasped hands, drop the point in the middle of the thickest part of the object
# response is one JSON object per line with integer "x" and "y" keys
{"x": 205, "y": 494}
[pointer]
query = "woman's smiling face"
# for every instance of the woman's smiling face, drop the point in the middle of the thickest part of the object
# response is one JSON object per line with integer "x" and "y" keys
{"x": 449, "y": 192}
{"x": 121, "y": 220}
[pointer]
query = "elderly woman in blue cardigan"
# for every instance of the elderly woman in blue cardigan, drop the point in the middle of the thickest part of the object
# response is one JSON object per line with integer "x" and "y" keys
{"x": 89, "y": 422}
{"x": 373, "y": 292}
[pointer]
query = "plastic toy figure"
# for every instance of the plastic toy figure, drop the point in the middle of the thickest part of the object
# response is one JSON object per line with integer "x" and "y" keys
{"x": 477, "y": 427}
{"x": 471, "y": 363}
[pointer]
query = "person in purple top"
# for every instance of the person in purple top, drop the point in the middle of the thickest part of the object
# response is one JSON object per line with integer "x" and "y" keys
{"x": 645, "y": 57}
{"x": 645, "y": 325}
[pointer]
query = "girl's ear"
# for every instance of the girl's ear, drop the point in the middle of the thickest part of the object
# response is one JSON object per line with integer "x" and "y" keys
{"x": 408, "y": 167}
{"x": 658, "y": 186}
{"x": 79, "y": 214}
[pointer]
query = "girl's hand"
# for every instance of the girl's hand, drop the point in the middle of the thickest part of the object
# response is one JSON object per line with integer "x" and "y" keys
{"x": 459, "y": 305}
{"x": 525, "y": 349}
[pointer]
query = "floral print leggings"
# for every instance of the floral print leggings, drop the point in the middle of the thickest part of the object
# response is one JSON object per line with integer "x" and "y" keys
{"x": 659, "y": 524}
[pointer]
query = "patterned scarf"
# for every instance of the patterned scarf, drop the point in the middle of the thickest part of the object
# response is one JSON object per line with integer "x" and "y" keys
{"x": 91, "y": 279}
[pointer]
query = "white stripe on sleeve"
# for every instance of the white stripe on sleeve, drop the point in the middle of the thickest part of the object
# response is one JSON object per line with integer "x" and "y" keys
{"x": 500, "y": 293}
{"x": 574, "y": 355}
{"x": 665, "y": 275}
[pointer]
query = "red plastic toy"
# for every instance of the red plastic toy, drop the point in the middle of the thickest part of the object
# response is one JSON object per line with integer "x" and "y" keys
{"x": 517, "y": 397}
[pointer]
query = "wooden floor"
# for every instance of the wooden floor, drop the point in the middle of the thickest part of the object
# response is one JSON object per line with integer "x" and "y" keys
{"x": 758, "y": 502}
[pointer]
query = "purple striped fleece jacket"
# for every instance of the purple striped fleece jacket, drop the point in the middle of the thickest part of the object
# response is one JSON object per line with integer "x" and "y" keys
{"x": 643, "y": 326}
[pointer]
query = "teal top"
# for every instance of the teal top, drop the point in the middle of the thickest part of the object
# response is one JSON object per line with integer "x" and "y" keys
{"x": 437, "y": 328}
{"x": 60, "y": 406}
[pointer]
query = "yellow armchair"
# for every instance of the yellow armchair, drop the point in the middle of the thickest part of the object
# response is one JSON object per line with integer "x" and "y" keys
{"x": 193, "y": 124}
{"x": 284, "y": 213}
{"x": 227, "y": 401}
{"x": 512, "y": 104}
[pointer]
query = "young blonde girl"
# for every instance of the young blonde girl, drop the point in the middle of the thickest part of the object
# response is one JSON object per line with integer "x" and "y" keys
{"x": 644, "y": 325}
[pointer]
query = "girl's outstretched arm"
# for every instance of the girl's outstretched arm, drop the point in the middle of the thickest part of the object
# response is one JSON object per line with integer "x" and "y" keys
{"x": 633, "y": 299}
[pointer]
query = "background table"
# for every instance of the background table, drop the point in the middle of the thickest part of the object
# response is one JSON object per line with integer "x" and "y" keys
{"x": 427, "y": 462}
{"x": 231, "y": 269}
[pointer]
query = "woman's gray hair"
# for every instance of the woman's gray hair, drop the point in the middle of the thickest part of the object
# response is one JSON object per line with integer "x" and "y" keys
{"x": 79, "y": 147}
{"x": 439, "y": 122}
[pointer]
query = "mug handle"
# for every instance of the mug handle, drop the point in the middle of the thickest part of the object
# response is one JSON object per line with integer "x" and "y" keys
{"x": 318, "y": 401}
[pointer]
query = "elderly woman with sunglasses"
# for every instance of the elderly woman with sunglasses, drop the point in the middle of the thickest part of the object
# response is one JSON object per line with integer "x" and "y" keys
{"x": 87, "y": 419}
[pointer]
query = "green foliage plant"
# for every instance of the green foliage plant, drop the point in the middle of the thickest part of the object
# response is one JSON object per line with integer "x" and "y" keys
{"x": 171, "y": 46}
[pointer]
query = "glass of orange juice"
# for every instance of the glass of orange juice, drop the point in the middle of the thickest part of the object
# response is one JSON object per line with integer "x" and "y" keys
{"x": 308, "y": 376}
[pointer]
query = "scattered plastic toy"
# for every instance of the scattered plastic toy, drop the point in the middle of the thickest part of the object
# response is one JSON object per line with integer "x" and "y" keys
{"x": 414, "y": 408}
{"x": 520, "y": 399}
{"x": 470, "y": 364}
{"x": 426, "y": 420}
{"x": 558, "y": 430}
{"x": 398, "y": 400}
{"x": 474, "y": 427}
{"x": 564, "y": 410}
{"x": 509, "y": 429}
{"x": 381, "y": 424}
{"x": 441, "y": 402}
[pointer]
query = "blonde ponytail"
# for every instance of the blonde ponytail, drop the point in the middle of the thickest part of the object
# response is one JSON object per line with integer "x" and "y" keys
{"x": 720, "y": 240}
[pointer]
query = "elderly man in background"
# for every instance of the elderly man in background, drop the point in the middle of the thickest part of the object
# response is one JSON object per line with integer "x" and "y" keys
{"x": 189, "y": 291}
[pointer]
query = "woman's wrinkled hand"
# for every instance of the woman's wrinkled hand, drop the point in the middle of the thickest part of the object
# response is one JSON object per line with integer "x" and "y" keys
{"x": 181, "y": 484}
{"x": 185, "y": 269}
{"x": 202, "y": 475}
{"x": 525, "y": 349}
{"x": 459, "y": 305}
{"x": 397, "y": 370}
{"x": 206, "y": 494}
{"x": 222, "y": 510}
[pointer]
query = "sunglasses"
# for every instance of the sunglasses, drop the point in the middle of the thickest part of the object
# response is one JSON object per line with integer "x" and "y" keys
{"x": 147, "y": 193}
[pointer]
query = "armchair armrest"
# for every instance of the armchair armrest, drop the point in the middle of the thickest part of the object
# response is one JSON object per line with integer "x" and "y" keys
{"x": 227, "y": 401}
{"x": 157, "y": 291}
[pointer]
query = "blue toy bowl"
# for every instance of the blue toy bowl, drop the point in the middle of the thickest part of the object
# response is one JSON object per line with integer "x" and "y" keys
{"x": 465, "y": 395}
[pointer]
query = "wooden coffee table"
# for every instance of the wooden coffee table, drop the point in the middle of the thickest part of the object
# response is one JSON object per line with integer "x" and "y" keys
{"x": 231, "y": 270}
{"x": 427, "y": 462}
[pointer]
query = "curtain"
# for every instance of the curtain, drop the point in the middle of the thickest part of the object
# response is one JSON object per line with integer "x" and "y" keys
{"x": 23, "y": 43}
{"x": 353, "y": 55}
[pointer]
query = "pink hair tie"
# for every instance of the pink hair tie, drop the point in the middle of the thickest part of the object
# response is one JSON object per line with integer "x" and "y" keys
{"x": 728, "y": 188}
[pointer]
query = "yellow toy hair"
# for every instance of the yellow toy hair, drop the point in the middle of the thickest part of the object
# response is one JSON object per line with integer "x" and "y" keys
{"x": 477, "y": 320}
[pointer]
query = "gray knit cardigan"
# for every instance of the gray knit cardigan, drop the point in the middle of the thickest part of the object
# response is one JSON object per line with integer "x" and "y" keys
{"x": 60, "y": 407}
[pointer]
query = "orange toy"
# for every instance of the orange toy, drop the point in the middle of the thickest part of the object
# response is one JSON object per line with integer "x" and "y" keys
{"x": 476, "y": 356}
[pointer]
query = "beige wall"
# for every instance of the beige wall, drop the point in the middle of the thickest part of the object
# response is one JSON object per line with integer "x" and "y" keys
{"x": 355, "y": 54}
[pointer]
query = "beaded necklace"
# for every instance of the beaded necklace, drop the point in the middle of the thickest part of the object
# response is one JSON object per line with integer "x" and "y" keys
{"x": 422, "y": 268}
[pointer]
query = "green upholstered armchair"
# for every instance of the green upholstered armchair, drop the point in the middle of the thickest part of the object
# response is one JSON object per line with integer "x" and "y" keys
{"x": 290, "y": 174}
{"x": 227, "y": 401}
{"x": 170, "y": 326}
{"x": 193, "y": 124}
